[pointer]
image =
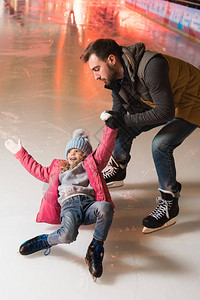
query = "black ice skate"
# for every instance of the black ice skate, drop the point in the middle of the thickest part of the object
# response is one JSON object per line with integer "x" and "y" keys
{"x": 164, "y": 214}
{"x": 94, "y": 258}
{"x": 114, "y": 173}
{"x": 35, "y": 244}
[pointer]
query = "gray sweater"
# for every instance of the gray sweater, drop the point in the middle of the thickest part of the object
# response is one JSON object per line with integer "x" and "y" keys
{"x": 74, "y": 182}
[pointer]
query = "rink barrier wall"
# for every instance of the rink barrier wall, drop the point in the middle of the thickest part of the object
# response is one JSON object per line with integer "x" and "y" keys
{"x": 182, "y": 19}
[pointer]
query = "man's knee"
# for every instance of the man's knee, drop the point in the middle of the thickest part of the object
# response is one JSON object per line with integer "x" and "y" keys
{"x": 159, "y": 143}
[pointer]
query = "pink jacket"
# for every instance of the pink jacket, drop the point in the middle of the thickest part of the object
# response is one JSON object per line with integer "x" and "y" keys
{"x": 94, "y": 163}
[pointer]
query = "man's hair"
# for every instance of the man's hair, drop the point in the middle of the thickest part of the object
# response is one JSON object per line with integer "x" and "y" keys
{"x": 102, "y": 48}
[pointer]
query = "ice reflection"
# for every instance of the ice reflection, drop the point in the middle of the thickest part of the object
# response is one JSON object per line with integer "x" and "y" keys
{"x": 42, "y": 41}
{"x": 94, "y": 19}
{"x": 16, "y": 10}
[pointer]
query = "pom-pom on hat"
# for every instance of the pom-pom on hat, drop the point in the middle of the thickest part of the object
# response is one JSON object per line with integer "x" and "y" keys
{"x": 80, "y": 140}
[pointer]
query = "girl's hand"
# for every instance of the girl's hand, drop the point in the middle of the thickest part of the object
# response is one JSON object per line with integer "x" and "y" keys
{"x": 105, "y": 115}
{"x": 113, "y": 119}
{"x": 12, "y": 146}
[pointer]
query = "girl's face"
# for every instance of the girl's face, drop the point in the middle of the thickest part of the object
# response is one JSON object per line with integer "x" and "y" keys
{"x": 74, "y": 155}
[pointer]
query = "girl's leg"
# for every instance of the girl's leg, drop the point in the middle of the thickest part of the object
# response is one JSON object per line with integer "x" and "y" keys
{"x": 71, "y": 217}
{"x": 100, "y": 213}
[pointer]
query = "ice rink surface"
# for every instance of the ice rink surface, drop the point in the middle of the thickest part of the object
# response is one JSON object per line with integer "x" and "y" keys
{"x": 46, "y": 93}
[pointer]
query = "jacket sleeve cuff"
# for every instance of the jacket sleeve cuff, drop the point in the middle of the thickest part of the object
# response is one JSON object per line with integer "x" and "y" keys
{"x": 20, "y": 153}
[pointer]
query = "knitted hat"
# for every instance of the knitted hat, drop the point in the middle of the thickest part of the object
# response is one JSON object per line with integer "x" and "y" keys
{"x": 80, "y": 141}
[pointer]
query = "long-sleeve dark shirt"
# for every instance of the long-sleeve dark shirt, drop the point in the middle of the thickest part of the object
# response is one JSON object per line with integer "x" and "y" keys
{"x": 157, "y": 82}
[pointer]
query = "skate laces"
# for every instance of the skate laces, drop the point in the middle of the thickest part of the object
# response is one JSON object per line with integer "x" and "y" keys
{"x": 162, "y": 208}
{"x": 39, "y": 244}
{"x": 47, "y": 251}
{"x": 111, "y": 168}
{"x": 110, "y": 171}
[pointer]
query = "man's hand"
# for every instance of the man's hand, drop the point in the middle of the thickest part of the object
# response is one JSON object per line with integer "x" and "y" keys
{"x": 113, "y": 119}
{"x": 105, "y": 115}
{"x": 12, "y": 146}
{"x": 109, "y": 120}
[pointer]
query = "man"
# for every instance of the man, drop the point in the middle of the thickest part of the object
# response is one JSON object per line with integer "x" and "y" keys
{"x": 149, "y": 89}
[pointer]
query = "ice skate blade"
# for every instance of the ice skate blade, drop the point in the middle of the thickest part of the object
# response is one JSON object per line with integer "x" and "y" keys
{"x": 93, "y": 277}
{"x": 115, "y": 184}
{"x": 146, "y": 230}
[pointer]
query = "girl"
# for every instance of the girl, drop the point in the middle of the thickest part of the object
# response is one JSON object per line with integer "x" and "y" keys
{"x": 77, "y": 195}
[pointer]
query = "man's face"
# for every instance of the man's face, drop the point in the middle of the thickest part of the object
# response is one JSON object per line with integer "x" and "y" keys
{"x": 104, "y": 70}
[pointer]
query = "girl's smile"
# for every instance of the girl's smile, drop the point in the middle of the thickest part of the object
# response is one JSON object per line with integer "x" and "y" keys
{"x": 74, "y": 155}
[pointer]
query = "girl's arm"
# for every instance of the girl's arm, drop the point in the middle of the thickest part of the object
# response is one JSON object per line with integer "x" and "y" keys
{"x": 105, "y": 148}
{"x": 27, "y": 161}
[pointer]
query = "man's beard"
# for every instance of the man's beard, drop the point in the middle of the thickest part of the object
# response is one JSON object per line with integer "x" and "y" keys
{"x": 113, "y": 75}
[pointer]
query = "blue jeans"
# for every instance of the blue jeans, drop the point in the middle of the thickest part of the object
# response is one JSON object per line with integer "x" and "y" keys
{"x": 171, "y": 135}
{"x": 82, "y": 210}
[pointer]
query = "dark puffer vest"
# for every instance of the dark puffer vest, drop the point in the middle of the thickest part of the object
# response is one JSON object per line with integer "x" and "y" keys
{"x": 184, "y": 79}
